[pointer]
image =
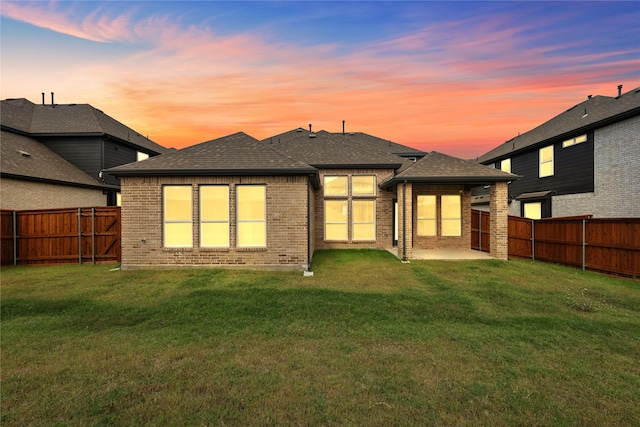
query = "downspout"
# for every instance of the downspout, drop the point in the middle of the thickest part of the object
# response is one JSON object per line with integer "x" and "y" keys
{"x": 404, "y": 220}
{"x": 309, "y": 231}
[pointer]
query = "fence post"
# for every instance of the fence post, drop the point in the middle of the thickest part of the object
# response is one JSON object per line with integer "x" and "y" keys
{"x": 480, "y": 230}
{"x": 93, "y": 236}
{"x": 15, "y": 238}
{"x": 584, "y": 244}
{"x": 533, "y": 240}
{"x": 79, "y": 235}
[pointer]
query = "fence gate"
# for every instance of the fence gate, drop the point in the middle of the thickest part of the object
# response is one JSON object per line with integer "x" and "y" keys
{"x": 61, "y": 236}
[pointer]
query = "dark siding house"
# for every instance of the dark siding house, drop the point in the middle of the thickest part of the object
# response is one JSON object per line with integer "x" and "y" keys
{"x": 83, "y": 136}
{"x": 585, "y": 161}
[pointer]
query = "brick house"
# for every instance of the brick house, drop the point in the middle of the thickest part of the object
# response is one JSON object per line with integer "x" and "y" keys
{"x": 584, "y": 161}
{"x": 54, "y": 155}
{"x": 239, "y": 201}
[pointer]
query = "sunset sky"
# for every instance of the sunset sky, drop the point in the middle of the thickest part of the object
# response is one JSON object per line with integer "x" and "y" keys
{"x": 454, "y": 77}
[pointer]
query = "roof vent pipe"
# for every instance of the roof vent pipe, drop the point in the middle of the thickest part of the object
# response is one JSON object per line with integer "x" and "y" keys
{"x": 42, "y": 98}
{"x": 343, "y": 127}
{"x": 619, "y": 90}
{"x": 52, "y": 104}
{"x": 589, "y": 96}
{"x": 310, "y": 128}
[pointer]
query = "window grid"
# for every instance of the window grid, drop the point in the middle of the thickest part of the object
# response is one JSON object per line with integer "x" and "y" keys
{"x": 363, "y": 222}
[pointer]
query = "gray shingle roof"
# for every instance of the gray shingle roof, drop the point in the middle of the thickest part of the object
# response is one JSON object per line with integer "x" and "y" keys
{"x": 383, "y": 144}
{"x": 68, "y": 119}
{"x": 439, "y": 168}
{"x": 236, "y": 154}
{"x": 590, "y": 114}
{"x": 25, "y": 158}
{"x": 327, "y": 150}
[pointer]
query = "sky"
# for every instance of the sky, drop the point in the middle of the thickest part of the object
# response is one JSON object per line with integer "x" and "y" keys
{"x": 455, "y": 77}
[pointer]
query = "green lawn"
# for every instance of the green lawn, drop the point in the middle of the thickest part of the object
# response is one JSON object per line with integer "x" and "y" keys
{"x": 367, "y": 341}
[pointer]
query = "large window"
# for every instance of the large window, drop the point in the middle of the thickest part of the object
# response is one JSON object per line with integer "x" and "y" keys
{"x": 214, "y": 216}
{"x": 546, "y": 161}
{"x": 451, "y": 216}
{"x": 335, "y": 186}
{"x": 426, "y": 215}
{"x": 335, "y": 227}
{"x": 364, "y": 220}
{"x": 178, "y": 231}
{"x": 363, "y": 185}
{"x": 252, "y": 218}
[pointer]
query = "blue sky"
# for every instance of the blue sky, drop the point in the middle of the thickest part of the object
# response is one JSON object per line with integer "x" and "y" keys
{"x": 455, "y": 77}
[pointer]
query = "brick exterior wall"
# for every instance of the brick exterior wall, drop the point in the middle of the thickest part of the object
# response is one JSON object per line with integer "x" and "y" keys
{"x": 384, "y": 211}
{"x": 499, "y": 228}
{"x": 142, "y": 225}
{"x": 443, "y": 242}
{"x": 405, "y": 190}
{"x": 23, "y": 195}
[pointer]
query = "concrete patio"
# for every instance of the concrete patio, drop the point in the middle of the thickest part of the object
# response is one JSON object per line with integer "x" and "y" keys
{"x": 445, "y": 254}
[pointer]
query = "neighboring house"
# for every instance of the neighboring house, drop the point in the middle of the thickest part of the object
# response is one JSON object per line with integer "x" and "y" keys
{"x": 585, "y": 161}
{"x": 78, "y": 134}
{"x": 239, "y": 201}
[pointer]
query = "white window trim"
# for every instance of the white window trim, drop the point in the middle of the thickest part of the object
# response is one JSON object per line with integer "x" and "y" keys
{"x": 540, "y": 162}
{"x": 346, "y": 221}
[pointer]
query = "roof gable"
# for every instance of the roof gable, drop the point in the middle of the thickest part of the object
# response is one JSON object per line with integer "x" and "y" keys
{"x": 439, "y": 168}
{"x": 590, "y": 114}
{"x": 236, "y": 154}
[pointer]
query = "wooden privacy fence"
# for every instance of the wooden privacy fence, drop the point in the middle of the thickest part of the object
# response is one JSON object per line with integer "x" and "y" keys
{"x": 609, "y": 245}
{"x": 61, "y": 236}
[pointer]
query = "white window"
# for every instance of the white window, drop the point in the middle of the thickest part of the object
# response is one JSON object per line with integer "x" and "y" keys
{"x": 364, "y": 219}
{"x": 335, "y": 220}
{"x": 533, "y": 210}
{"x": 214, "y": 216}
{"x": 335, "y": 186}
{"x": 451, "y": 216}
{"x": 546, "y": 161}
{"x": 363, "y": 185}
{"x": 141, "y": 156}
{"x": 505, "y": 165}
{"x": 251, "y": 215}
{"x": 427, "y": 215}
{"x": 574, "y": 141}
{"x": 177, "y": 213}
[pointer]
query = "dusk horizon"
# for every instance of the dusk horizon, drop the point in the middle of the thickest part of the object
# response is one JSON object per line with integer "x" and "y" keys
{"x": 459, "y": 78}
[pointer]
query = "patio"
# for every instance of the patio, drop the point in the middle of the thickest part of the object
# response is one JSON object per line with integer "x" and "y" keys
{"x": 445, "y": 254}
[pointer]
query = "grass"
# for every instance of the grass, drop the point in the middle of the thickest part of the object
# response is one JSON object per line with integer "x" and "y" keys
{"x": 365, "y": 341}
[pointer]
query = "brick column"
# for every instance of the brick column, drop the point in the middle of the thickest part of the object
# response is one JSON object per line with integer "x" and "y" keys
{"x": 402, "y": 224}
{"x": 499, "y": 207}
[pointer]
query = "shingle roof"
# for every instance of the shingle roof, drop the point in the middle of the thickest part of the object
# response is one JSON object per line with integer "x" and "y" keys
{"x": 439, "y": 168}
{"x": 236, "y": 154}
{"x": 327, "y": 150}
{"x": 383, "y": 144}
{"x": 62, "y": 119}
{"x": 25, "y": 158}
{"x": 595, "y": 112}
